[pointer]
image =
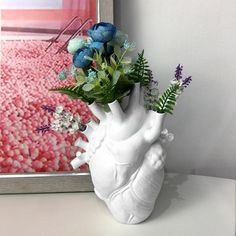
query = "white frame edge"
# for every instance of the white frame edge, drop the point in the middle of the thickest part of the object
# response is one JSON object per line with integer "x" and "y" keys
{"x": 105, "y": 10}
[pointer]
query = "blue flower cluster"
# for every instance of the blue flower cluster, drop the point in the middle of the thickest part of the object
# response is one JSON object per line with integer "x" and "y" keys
{"x": 100, "y": 33}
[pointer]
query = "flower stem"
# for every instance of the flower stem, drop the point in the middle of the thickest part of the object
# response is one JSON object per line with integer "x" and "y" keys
{"x": 121, "y": 58}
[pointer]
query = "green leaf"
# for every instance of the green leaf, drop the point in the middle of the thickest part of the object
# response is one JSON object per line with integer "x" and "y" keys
{"x": 88, "y": 87}
{"x": 113, "y": 62}
{"x": 110, "y": 70}
{"x": 126, "y": 61}
{"x": 167, "y": 101}
{"x": 116, "y": 76}
{"x": 98, "y": 58}
{"x": 101, "y": 74}
{"x": 68, "y": 91}
{"x": 140, "y": 71}
{"x": 80, "y": 80}
{"x": 74, "y": 93}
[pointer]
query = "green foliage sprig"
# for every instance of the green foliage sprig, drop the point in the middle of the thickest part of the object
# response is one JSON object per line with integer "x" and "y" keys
{"x": 141, "y": 71}
{"x": 108, "y": 77}
{"x": 73, "y": 92}
{"x": 167, "y": 101}
{"x": 103, "y": 72}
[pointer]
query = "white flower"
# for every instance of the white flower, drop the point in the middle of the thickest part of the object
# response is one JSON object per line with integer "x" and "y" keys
{"x": 59, "y": 109}
{"x": 77, "y": 118}
{"x": 57, "y": 122}
{"x": 75, "y": 44}
{"x": 66, "y": 124}
{"x": 78, "y": 154}
{"x": 56, "y": 115}
{"x": 65, "y": 121}
{"x": 75, "y": 126}
{"x": 55, "y": 127}
{"x": 68, "y": 116}
{"x": 72, "y": 131}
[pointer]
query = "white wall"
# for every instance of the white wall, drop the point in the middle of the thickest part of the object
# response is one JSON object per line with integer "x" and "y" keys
{"x": 201, "y": 35}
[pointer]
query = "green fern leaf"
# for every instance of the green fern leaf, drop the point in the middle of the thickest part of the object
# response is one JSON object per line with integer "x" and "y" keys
{"x": 140, "y": 70}
{"x": 167, "y": 101}
{"x": 74, "y": 92}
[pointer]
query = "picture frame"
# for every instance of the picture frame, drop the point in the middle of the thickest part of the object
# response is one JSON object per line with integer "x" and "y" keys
{"x": 53, "y": 182}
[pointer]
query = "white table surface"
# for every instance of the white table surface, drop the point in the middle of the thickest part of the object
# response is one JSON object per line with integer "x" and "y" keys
{"x": 187, "y": 206}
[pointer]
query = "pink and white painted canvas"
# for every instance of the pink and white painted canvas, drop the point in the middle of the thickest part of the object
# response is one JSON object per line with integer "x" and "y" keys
{"x": 32, "y": 57}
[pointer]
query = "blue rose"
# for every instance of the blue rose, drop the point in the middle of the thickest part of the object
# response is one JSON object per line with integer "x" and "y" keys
{"x": 97, "y": 45}
{"x": 105, "y": 48}
{"x": 102, "y": 32}
{"x": 108, "y": 49}
{"x": 79, "y": 58}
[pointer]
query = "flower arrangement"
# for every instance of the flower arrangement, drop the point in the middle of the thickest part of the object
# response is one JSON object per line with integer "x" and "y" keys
{"x": 104, "y": 72}
{"x": 125, "y": 148}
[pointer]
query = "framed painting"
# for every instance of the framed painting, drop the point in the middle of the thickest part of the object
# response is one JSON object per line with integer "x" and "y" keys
{"x": 34, "y": 36}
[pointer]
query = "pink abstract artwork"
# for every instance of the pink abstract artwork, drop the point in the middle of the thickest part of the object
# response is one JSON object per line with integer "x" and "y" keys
{"x": 27, "y": 74}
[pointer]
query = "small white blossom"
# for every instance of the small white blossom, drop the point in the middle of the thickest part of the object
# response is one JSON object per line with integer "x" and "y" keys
{"x": 77, "y": 118}
{"x": 55, "y": 127}
{"x": 57, "y": 122}
{"x": 71, "y": 131}
{"x": 68, "y": 116}
{"x": 59, "y": 109}
{"x": 66, "y": 124}
{"x": 78, "y": 154}
{"x": 65, "y": 121}
{"x": 75, "y": 126}
{"x": 56, "y": 115}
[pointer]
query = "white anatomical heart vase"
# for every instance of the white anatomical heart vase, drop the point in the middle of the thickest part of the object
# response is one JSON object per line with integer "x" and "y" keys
{"x": 126, "y": 158}
{"x": 124, "y": 146}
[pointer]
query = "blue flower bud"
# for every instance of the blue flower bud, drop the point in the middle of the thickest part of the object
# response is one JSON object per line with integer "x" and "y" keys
{"x": 97, "y": 45}
{"x": 79, "y": 58}
{"x": 102, "y": 32}
{"x": 91, "y": 75}
{"x": 62, "y": 75}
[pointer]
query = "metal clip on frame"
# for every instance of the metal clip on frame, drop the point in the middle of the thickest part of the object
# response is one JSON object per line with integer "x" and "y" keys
{"x": 82, "y": 26}
{"x": 77, "y": 31}
{"x": 63, "y": 31}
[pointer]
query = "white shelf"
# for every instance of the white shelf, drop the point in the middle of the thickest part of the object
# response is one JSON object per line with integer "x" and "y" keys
{"x": 187, "y": 206}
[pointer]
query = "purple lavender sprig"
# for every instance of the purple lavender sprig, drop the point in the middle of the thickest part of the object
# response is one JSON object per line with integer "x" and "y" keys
{"x": 43, "y": 129}
{"x": 187, "y": 81}
{"x": 178, "y": 72}
{"x": 48, "y": 108}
